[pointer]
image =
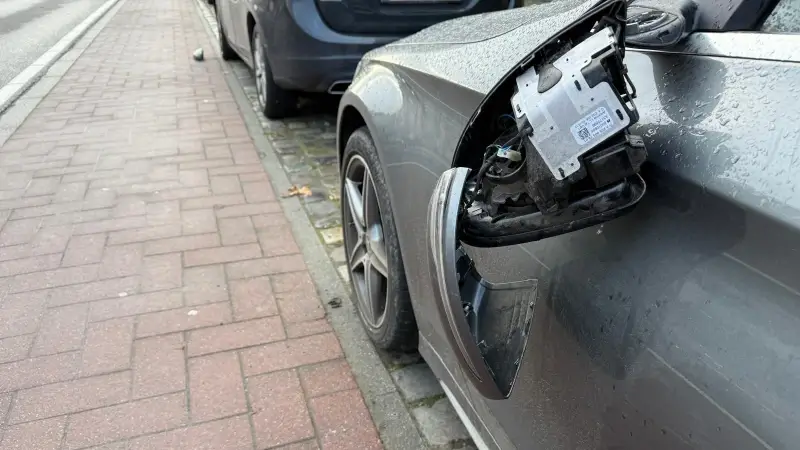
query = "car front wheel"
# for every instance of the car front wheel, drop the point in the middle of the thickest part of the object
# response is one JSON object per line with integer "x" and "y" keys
{"x": 372, "y": 248}
{"x": 274, "y": 101}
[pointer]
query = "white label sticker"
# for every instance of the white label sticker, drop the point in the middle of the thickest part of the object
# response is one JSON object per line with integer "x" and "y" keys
{"x": 594, "y": 124}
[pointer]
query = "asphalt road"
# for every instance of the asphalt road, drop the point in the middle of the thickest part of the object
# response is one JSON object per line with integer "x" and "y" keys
{"x": 28, "y": 28}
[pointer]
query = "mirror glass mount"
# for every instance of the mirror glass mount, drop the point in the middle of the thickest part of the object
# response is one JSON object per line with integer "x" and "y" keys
{"x": 659, "y": 23}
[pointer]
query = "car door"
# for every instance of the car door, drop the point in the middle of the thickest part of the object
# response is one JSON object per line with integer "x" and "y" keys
{"x": 677, "y": 325}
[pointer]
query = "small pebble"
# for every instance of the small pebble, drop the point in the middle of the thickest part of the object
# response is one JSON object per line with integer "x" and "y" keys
{"x": 198, "y": 54}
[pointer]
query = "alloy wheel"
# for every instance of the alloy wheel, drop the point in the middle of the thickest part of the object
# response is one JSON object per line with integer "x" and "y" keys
{"x": 364, "y": 243}
{"x": 261, "y": 70}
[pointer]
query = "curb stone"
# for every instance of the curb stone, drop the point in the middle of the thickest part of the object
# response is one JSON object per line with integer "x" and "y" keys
{"x": 28, "y": 77}
{"x": 402, "y": 394}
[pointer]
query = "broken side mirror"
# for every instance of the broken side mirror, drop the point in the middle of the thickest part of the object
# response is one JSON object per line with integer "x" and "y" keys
{"x": 659, "y": 23}
{"x": 547, "y": 152}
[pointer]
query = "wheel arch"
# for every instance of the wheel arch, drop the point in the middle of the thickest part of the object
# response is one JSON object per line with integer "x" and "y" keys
{"x": 353, "y": 114}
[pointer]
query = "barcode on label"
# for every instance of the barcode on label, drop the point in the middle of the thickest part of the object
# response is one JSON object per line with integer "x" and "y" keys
{"x": 593, "y": 126}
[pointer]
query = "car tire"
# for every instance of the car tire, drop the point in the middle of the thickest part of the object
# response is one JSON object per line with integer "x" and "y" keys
{"x": 225, "y": 49}
{"x": 274, "y": 101}
{"x": 398, "y": 329}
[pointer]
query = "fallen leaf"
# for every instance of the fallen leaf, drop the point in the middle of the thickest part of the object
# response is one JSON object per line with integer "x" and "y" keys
{"x": 294, "y": 191}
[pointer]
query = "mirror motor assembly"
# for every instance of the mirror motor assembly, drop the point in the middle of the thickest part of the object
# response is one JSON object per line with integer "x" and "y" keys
{"x": 566, "y": 160}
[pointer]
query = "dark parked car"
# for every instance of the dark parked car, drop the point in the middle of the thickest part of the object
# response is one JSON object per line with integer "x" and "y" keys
{"x": 589, "y": 273}
{"x": 315, "y": 45}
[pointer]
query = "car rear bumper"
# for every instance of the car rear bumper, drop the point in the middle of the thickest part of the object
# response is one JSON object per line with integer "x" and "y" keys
{"x": 306, "y": 55}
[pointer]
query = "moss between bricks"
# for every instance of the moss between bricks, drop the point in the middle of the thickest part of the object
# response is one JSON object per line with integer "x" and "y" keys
{"x": 427, "y": 401}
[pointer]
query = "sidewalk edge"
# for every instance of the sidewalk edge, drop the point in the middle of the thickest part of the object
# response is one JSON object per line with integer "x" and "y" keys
{"x": 28, "y": 77}
{"x": 391, "y": 417}
{"x": 14, "y": 112}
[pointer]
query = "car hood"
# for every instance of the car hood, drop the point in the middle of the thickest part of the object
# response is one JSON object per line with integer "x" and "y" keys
{"x": 476, "y": 51}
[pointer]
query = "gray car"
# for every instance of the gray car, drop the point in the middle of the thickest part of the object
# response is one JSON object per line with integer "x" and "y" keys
{"x": 314, "y": 45}
{"x": 666, "y": 313}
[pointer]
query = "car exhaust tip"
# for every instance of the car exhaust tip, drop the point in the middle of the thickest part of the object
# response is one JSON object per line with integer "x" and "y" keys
{"x": 338, "y": 87}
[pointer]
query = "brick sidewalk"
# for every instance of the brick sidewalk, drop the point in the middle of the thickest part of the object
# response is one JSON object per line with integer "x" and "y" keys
{"x": 152, "y": 295}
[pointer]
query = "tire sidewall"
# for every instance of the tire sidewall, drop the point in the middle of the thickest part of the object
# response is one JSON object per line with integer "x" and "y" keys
{"x": 399, "y": 321}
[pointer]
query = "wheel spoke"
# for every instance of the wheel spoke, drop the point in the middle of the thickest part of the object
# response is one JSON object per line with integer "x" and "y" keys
{"x": 377, "y": 249}
{"x": 375, "y": 284}
{"x": 372, "y": 215}
{"x": 358, "y": 255}
{"x": 355, "y": 202}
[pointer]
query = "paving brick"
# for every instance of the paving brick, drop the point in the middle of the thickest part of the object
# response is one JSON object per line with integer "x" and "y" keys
{"x": 299, "y": 306}
{"x": 5, "y": 404}
{"x": 21, "y": 313}
{"x": 37, "y": 371}
{"x": 70, "y": 192}
{"x": 290, "y": 353}
{"x": 61, "y": 330}
{"x": 216, "y": 387}
{"x": 158, "y": 366}
{"x": 262, "y": 221}
{"x": 134, "y": 304}
{"x": 42, "y": 186}
{"x": 19, "y": 231}
{"x": 343, "y": 422}
{"x": 225, "y": 184}
{"x": 305, "y": 445}
{"x": 248, "y": 209}
{"x": 182, "y": 243}
{"x": 15, "y": 348}
{"x": 86, "y": 249}
{"x": 204, "y": 284}
{"x": 198, "y": 221}
{"x": 212, "y": 201}
{"x": 249, "y": 168}
{"x": 144, "y": 234}
{"x": 41, "y": 435}
{"x": 235, "y": 335}
{"x": 183, "y": 319}
{"x": 252, "y": 298}
{"x": 237, "y": 230}
{"x": 248, "y": 177}
{"x": 96, "y": 290}
{"x": 121, "y": 261}
{"x": 416, "y": 382}
{"x": 224, "y": 254}
{"x": 102, "y": 226}
{"x": 70, "y": 396}
{"x": 288, "y": 282}
{"x": 326, "y": 378}
{"x": 130, "y": 206}
{"x": 300, "y": 329}
{"x": 162, "y": 272}
{"x": 164, "y": 213}
{"x": 107, "y": 347}
{"x": 28, "y": 265}
{"x": 280, "y": 415}
{"x": 126, "y": 420}
{"x": 258, "y": 192}
{"x": 228, "y": 434}
{"x": 439, "y": 423}
{"x": 54, "y": 278}
{"x": 264, "y": 266}
{"x": 277, "y": 241}
{"x": 193, "y": 177}
{"x": 51, "y": 239}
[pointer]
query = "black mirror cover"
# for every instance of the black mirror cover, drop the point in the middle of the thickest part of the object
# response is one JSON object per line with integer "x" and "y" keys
{"x": 659, "y": 23}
